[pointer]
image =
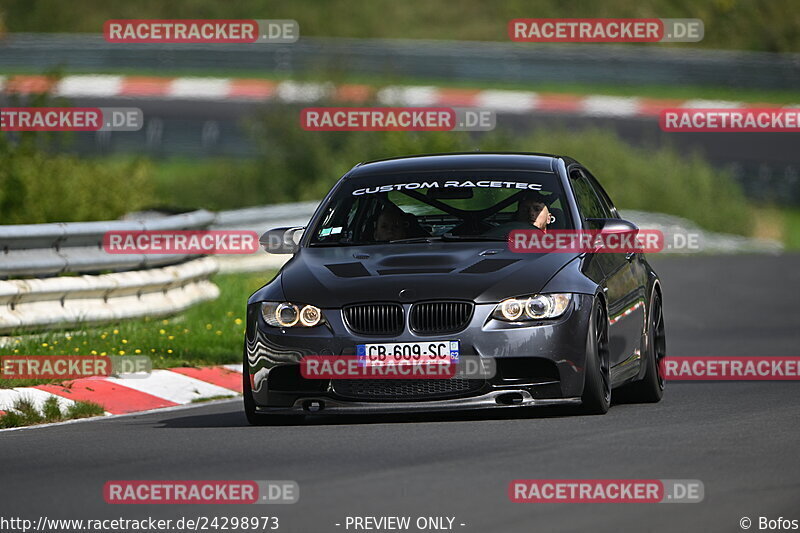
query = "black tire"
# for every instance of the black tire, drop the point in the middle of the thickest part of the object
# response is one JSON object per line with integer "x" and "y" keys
{"x": 650, "y": 388}
{"x": 596, "y": 398}
{"x": 260, "y": 419}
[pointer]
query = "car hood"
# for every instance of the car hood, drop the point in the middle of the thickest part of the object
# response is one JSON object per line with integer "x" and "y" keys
{"x": 484, "y": 272}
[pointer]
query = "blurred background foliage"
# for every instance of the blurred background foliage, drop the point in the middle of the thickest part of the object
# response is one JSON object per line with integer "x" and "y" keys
{"x": 772, "y": 25}
{"x": 37, "y": 185}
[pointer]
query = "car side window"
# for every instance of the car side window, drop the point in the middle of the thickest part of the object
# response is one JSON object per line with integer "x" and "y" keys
{"x": 589, "y": 204}
{"x": 608, "y": 205}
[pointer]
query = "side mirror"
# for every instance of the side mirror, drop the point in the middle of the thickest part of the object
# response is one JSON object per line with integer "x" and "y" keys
{"x": 281, "y": 240}
{"x": 613, "y": 225}
{"x": 623, "y": 231}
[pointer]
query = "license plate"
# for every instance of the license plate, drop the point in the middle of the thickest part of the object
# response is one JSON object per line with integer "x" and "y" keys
{"x": 408, "y": 353}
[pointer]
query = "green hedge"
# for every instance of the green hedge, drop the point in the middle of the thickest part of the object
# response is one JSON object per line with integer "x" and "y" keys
{"x": 37, "y": 186}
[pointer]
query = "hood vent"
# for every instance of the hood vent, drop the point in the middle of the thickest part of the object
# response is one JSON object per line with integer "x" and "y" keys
{"x": 488, "y": 265}
{"x": 349, "y": 270}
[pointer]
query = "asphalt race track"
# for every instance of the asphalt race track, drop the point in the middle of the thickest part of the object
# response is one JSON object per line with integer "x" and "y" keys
{"x": 739, "y": 438}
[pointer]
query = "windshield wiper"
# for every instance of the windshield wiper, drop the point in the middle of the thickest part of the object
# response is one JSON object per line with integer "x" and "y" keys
{"x": 449, "y": 237}
{"x": 416, "y": 239}
{"x": 339, "y": 243}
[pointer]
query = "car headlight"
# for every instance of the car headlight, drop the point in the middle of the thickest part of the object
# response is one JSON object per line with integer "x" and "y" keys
{"x": 287, "y": 315}
{"x": 535, "y": 307}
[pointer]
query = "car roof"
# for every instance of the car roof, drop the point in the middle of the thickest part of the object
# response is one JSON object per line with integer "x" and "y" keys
{"x": 460, "y": 161}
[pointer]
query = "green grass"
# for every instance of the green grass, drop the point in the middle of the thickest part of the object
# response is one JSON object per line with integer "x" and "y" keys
{"x": 207, "y": 334}
{"x": 735, "y": 24}
{"x": 26, "y": 414}
{"x": 791, "y": 228}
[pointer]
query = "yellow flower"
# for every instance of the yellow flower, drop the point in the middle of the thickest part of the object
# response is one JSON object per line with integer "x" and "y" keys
{"x": 44, "y": 344}
{"x": 165, "y": 321}
{"x": 122, "y": 352}
{"x": 94, "y": 352}
{"x": 218, "y": 332}
{"x": 169, "y": 351}
{"x": 170, "y": 337}
{"x": 76, "y": 349}
{"x": 185, "y": 330}
{"x": 152, "y": 350}
{"x": 124, "y": 341}
{"x": 137, "y": 351}
{"x": 116, "y": 331}
{"x": 103, "y": 336}
{"x": 209, "y": 326}
{"x": 102, "y": 353}
{"x": 162, "y": 331}
{"x": 237, "y": 321}
{"x": 69, "y": 337}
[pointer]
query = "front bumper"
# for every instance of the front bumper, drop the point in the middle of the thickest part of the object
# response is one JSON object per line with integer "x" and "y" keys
{"x": 539, "y": 364}
{"x": 491, "y": 400}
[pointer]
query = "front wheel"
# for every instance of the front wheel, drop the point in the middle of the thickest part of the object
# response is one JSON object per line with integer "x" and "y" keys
{"x": 650, "y": 388}
{"x": 596, "y": 398}
{"x": 260, "y": 419}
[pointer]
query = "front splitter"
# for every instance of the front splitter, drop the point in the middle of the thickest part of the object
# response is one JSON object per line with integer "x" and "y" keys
{"x": 490, "y": 400}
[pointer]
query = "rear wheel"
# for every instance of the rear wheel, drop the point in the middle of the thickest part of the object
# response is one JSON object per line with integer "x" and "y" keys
{"x": 650, "y": 388}
{"x": 596, "y": 398}
{"x": 260, "y": 419}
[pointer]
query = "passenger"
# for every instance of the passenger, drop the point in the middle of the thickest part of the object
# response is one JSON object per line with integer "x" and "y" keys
{"x": 392, "y": 224}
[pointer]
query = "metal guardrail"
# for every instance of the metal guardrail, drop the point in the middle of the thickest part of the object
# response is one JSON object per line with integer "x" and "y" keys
{"x": 136, "y": 287}
{"x": 452, "y": 60}
{"x": 70, "y": 301}
{"x": 77, "y": 247}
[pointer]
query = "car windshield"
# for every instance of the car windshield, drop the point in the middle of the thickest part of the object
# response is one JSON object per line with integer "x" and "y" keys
{"x": 441, "y": 206}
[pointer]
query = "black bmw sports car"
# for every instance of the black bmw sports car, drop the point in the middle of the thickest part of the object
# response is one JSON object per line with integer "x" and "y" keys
{"x": 410, "y": 257}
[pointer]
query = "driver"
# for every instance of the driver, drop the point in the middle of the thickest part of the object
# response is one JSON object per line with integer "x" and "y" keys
{"x": 532, "y": 213}
{"x": 533, "y": 209}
